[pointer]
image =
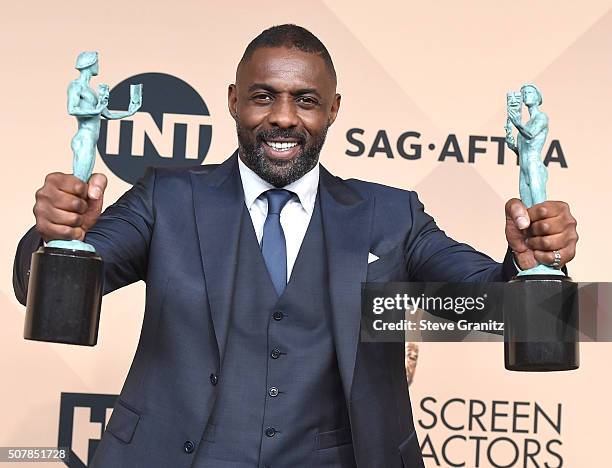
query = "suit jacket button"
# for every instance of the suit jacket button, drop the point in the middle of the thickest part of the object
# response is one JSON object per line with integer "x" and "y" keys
{"x": 275, "y": 354}
{"x": 273, "y": 392}
{"x": 214, "y": 379}
{"x": 278, "y": 315}
{"x": 188, "y": 446}
{"x": 270, "y": 431}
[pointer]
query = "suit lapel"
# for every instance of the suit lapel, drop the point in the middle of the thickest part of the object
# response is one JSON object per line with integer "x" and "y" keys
{"x": 347, "y": 219}
{"x": 218, "y": 204}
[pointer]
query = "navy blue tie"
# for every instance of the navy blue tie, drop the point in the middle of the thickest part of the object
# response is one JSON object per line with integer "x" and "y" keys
{"x": 273, "y": 245}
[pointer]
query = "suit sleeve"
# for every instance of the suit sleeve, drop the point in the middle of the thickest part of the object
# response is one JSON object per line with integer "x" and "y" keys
{"x": 433, "y": 256}
{"x": 121, "y": 236}
{"x": 28, "y": 244}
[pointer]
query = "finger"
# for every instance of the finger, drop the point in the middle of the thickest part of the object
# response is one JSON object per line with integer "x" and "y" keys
{"x": 96, "y": 186}
{"x": 548, "y": 243}
{"x": 64, "y": 218}
{"x": 518, "y": 213}
{"x": 51, "y": 231}
{"x": 547, "y": 209}
{"x": 68, "y": 183}
{"x": 50, "y": 196}
{"x": 68, "y": 202}
{"x": 548, "y": 226}
{"x": 525, "y": 260}
{"x": 547, "y": 258}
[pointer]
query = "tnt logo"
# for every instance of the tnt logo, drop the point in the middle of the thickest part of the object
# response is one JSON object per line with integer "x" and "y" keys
{"x": 172, "y": 128}
{"x": 83, "y": 418}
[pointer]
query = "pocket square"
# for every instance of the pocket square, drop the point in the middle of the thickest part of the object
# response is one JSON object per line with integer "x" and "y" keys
{"x": 371, "y": 257}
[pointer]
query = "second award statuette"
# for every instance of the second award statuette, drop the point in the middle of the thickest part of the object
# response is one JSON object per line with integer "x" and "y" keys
{"x": 66, "y": 276}
{"x": 541, "y": 304}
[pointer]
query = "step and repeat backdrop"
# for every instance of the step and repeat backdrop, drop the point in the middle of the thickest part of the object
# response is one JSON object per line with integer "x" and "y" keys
{"x": 423, "y": 89}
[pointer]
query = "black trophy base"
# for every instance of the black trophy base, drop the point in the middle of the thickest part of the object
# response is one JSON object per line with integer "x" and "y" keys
{"x": 64, "y": 296}
{"x": 541, "y": 324}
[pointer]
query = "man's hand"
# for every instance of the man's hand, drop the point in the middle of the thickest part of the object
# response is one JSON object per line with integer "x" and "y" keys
{"x": 66, "y": 207}
{"x": 535, "y": 233}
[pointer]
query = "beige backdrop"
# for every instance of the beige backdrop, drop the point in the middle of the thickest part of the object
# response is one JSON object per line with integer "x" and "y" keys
{"x": 437, "y": 68}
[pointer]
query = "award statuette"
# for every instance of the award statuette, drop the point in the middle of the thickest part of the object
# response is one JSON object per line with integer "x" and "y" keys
{"x": 541, "y": 305}
{"x": 66, "y": 276}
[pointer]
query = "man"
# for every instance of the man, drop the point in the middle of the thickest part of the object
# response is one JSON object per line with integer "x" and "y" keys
{"x": 249, "y": 354}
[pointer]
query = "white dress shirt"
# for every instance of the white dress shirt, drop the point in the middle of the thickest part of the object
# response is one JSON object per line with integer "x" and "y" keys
{"x": 295, "y": 215}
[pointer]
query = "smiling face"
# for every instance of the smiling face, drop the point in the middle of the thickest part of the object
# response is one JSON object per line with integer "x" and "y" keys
{"x": 283, "y": 102}
{"x": 513, "y": 100}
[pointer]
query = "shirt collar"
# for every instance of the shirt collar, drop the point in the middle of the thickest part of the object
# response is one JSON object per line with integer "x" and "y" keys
{"x": 305, "y": 187}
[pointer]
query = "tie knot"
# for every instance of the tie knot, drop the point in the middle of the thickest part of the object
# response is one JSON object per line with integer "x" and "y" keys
{"x": 277, "y": 199}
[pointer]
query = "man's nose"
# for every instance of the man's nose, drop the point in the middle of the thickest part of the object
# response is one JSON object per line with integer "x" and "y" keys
{"x": 283, "y": 114}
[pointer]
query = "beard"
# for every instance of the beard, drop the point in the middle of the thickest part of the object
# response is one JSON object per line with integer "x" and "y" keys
{"x": 277, "y": 172}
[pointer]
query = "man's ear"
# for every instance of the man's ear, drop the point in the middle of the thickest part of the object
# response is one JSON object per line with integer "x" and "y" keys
{"x": 335, "y": 107}
{"x": 232, "y": 100}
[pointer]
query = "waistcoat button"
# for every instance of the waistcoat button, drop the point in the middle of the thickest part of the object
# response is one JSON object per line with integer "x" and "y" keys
{"x": 188, "y": 446}
{"x": 214, "y": 379}
{"x": 270, "y": 431}
{"x": 278, "y": 315}
{"x": 275, "y": 354}
{"x": 273, "y": 391}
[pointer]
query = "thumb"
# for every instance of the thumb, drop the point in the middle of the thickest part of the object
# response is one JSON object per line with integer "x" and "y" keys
{"x": 96, "y": 186}
{"x": 95, "y": 193}
{"x": 516, "y": 212}
{"x": 517, "y": 220}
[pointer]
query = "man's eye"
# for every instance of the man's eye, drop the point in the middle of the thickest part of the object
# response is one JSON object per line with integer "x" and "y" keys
{"x": 262, "y": 97}
{"x": 306, "y": 100}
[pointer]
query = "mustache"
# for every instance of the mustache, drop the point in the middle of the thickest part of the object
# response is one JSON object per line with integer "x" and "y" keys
{"x": 280, "y": 133}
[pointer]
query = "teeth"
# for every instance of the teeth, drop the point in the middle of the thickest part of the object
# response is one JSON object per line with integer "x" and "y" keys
{"x": 281, "y": 146}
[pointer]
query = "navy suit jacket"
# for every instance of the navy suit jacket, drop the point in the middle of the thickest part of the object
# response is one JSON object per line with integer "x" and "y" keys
{"x": 177, "y": 230}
